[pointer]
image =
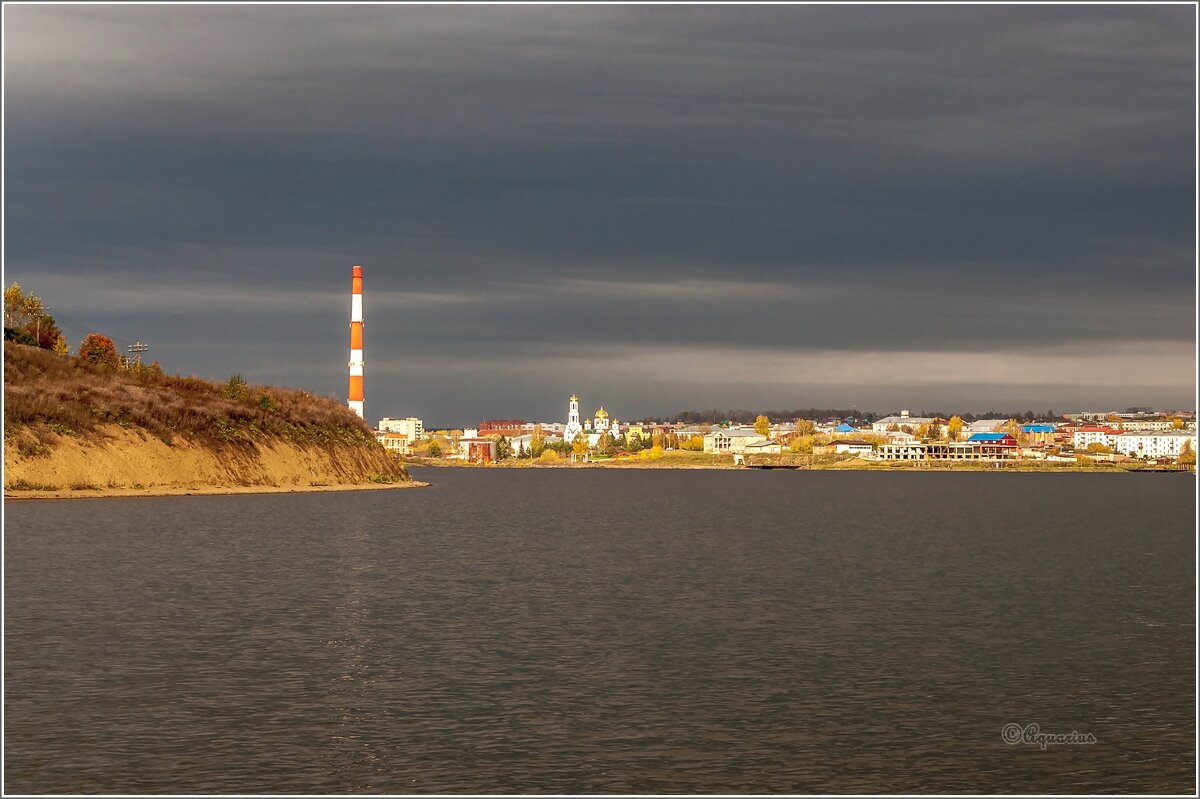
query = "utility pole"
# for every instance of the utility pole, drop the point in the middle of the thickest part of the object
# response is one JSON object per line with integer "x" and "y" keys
{"x": 137, "y": 348}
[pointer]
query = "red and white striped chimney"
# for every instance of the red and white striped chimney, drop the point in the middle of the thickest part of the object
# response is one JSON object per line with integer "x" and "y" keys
{"x": 356, "y": 343}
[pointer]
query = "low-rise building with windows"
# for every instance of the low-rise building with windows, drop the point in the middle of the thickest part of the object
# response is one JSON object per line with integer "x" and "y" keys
{"x": 1153, "y": 444}
{"x": 1087, "y": 435}
{"x": 412, "y": 427}
{"x": 723, "y": 440}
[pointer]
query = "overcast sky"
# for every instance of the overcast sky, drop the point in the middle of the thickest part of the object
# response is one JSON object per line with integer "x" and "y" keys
{"x": 659, "y": 208}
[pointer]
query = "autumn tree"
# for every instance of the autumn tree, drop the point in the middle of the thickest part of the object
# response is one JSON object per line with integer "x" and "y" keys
{"x": 1177, "y": 423}
{"x": 537, "y": 441}
{"x": 20, "y": 308}
{"x": 25, "y": 313}
{"x": 762, "y": 425}
{"x": 805, "y": 427}
{"x": 954, "y": 427}
{"x": 1187, "y": 455}
{"x": 694, "y": 444}
{"x": 99, "y": 350}
{"x": 60, "y": 346}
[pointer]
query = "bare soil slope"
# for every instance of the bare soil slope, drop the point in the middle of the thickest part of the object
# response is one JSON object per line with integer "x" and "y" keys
{"x": 72, "y": 427}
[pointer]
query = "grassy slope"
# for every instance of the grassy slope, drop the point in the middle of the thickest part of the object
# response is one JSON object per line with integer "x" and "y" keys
{"x": 52, "y": 401}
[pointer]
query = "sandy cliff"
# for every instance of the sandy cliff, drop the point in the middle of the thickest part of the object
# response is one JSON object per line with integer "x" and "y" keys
{"x": 71, "y": 429}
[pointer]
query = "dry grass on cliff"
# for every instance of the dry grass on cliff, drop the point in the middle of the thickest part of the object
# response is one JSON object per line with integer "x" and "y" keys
{"x": 66, "y": 396}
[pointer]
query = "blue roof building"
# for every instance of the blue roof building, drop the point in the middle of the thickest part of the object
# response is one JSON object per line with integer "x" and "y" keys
{"x": 844, "y": 428}
{"x": 1037, "y": 428}
{"x": 988, "y": 437}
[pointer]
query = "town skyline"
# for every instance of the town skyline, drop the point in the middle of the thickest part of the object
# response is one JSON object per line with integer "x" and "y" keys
{"x": 887, "y": 207}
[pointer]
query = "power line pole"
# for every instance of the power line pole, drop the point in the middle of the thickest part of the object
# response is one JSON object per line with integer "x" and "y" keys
{"x": 137, "y": 348}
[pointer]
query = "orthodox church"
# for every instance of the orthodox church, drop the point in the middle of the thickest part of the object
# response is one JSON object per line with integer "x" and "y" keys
{"x": 592, "y": 428}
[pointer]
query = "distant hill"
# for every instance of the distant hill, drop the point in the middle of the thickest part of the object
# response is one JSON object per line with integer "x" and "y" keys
{"x": 71, "y": 425}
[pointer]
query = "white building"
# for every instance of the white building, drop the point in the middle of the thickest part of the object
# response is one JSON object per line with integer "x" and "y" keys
{"x": 572, "y": 427}
{"x": 851, "y": 447}
{"x": 914, "y": 451}
{"x": 734, "y": 439}
{"x": 395, "y": 443}
{"x": 1152, "y": 444}
{"x": 901, "y": 421}
{"x": 412, "y": 427}
{"x": 1146, "y": 424}
{"x": 764, "y": 447}
{"x": 984, "y": 426}
{"x": 1084, "y": 437}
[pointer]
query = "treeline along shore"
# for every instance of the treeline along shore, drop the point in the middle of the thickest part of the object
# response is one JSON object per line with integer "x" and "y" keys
{"x": 86, "y": 427}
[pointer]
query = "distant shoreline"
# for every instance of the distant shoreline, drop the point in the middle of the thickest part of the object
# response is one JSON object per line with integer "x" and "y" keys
{"x": 843, "y": 466}
{"x": 177, "y": 491}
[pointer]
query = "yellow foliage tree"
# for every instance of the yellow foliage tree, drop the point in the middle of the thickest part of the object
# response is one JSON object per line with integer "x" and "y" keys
{"x": 762, "y": 425}
{"x": 954, "y": 427}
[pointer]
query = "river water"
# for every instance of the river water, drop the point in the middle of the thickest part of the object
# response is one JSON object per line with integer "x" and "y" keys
{"x": 608, "y": 631}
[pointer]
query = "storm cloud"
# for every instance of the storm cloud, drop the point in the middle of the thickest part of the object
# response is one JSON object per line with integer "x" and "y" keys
{"x": 658, "y": 208}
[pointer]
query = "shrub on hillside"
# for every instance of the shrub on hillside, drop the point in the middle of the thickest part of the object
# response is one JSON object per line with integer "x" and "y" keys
{"x": 99, "y": 350}
{"x": 40, "y": 387}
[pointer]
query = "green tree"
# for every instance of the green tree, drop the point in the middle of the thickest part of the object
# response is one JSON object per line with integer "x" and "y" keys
{"x": 935, "y": 429}
{"x": 503, "y": 448}
{"x": 19, "y": 336}
{"x": 762, "y": 425}
{"x": 99, "y": 350}
{"x": 236, "y": 388}
{"x": 434, "y": 450}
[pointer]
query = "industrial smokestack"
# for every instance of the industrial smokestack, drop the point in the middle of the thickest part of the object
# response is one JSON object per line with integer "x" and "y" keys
{"x": 356, "y": 343}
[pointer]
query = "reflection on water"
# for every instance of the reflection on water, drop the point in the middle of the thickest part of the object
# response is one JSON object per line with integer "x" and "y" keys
{"x": 585, "y": 631}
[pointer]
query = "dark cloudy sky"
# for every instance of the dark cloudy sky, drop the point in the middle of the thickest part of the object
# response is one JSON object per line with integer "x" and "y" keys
{"x": 659, "y": 208}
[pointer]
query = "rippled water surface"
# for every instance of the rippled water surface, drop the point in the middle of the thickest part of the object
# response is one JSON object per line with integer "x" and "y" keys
{"x": 608, "y": 631}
